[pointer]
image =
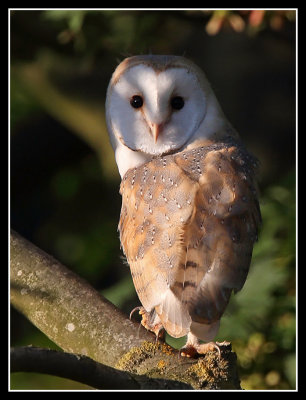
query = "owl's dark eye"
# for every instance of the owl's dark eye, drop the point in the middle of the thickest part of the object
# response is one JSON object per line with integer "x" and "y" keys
{"x": 136, "y": 101}
{"x": 177, "y": 102}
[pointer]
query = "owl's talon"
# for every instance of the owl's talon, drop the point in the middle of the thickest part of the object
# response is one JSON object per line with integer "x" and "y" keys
{"x": 193, "y": 347}
{"x": 207, "y": 347}
{"x": 135, "y": 309}
{"x": 150, "y": 321}
{"x": 194, "y": 351}
{"x": 160, "y": 334}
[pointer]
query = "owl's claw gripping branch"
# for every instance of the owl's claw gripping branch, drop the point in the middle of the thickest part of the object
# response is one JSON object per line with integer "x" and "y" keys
{"x": 150, "y": 321}
{"x": 193, "y": 350}
{"x": 193, "y": 347}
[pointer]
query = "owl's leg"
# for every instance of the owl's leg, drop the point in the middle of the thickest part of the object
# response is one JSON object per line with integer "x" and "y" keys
{"x": 193, "y": 347}
{"x": 151, "y": 321}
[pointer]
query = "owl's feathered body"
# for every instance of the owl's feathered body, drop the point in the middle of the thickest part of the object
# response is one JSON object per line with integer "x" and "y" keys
{"x": 190, "y": 213}
{"x": 187, "y": 227}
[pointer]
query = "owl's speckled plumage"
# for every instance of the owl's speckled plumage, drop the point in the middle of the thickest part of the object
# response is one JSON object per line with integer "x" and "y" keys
{"x": 189, "y": 219}
{"x": 187, "y": 227}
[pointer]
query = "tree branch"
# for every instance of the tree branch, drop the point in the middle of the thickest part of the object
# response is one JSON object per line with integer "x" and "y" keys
{"x": 82, "y": 369}
{"x": 79, "y": 320}
{"x": 71, "y": 366}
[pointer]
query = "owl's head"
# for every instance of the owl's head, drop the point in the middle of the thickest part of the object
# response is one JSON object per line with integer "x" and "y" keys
{"x": 156, "y": 105}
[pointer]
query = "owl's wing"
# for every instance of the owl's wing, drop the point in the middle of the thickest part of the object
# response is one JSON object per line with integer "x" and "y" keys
{"x": 188, "y": 224}
{"x": 157, "y": 203}
{"x": 221, "y": 234}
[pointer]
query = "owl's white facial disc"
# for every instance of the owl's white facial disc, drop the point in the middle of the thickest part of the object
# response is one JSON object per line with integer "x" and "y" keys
{"x": 172, "y": 107}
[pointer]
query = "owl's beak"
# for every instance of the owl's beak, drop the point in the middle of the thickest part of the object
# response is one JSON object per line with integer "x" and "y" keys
{"x": 156, "y": 129}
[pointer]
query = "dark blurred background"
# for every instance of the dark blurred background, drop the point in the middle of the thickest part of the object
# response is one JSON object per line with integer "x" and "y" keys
{"x": 64, "y": 184}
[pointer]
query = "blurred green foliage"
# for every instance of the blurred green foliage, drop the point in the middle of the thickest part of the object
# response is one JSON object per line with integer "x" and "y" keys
{"x": 261, "y": 318}
{"x": 63, "y": 179}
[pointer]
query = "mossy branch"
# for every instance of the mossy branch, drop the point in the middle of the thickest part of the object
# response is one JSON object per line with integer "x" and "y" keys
{"x": 83, "y": 369}
{"x": 80, "y": 321}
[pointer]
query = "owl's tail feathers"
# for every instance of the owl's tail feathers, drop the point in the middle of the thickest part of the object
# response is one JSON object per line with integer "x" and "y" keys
{"x": 173, "y": 315}
{"x": 204, "y": 331}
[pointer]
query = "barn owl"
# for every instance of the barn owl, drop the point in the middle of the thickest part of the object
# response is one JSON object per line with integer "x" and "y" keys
{"x": 190, "y": 213}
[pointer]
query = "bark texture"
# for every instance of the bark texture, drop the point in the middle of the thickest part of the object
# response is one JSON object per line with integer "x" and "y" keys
{"x": 81, "y": 321}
